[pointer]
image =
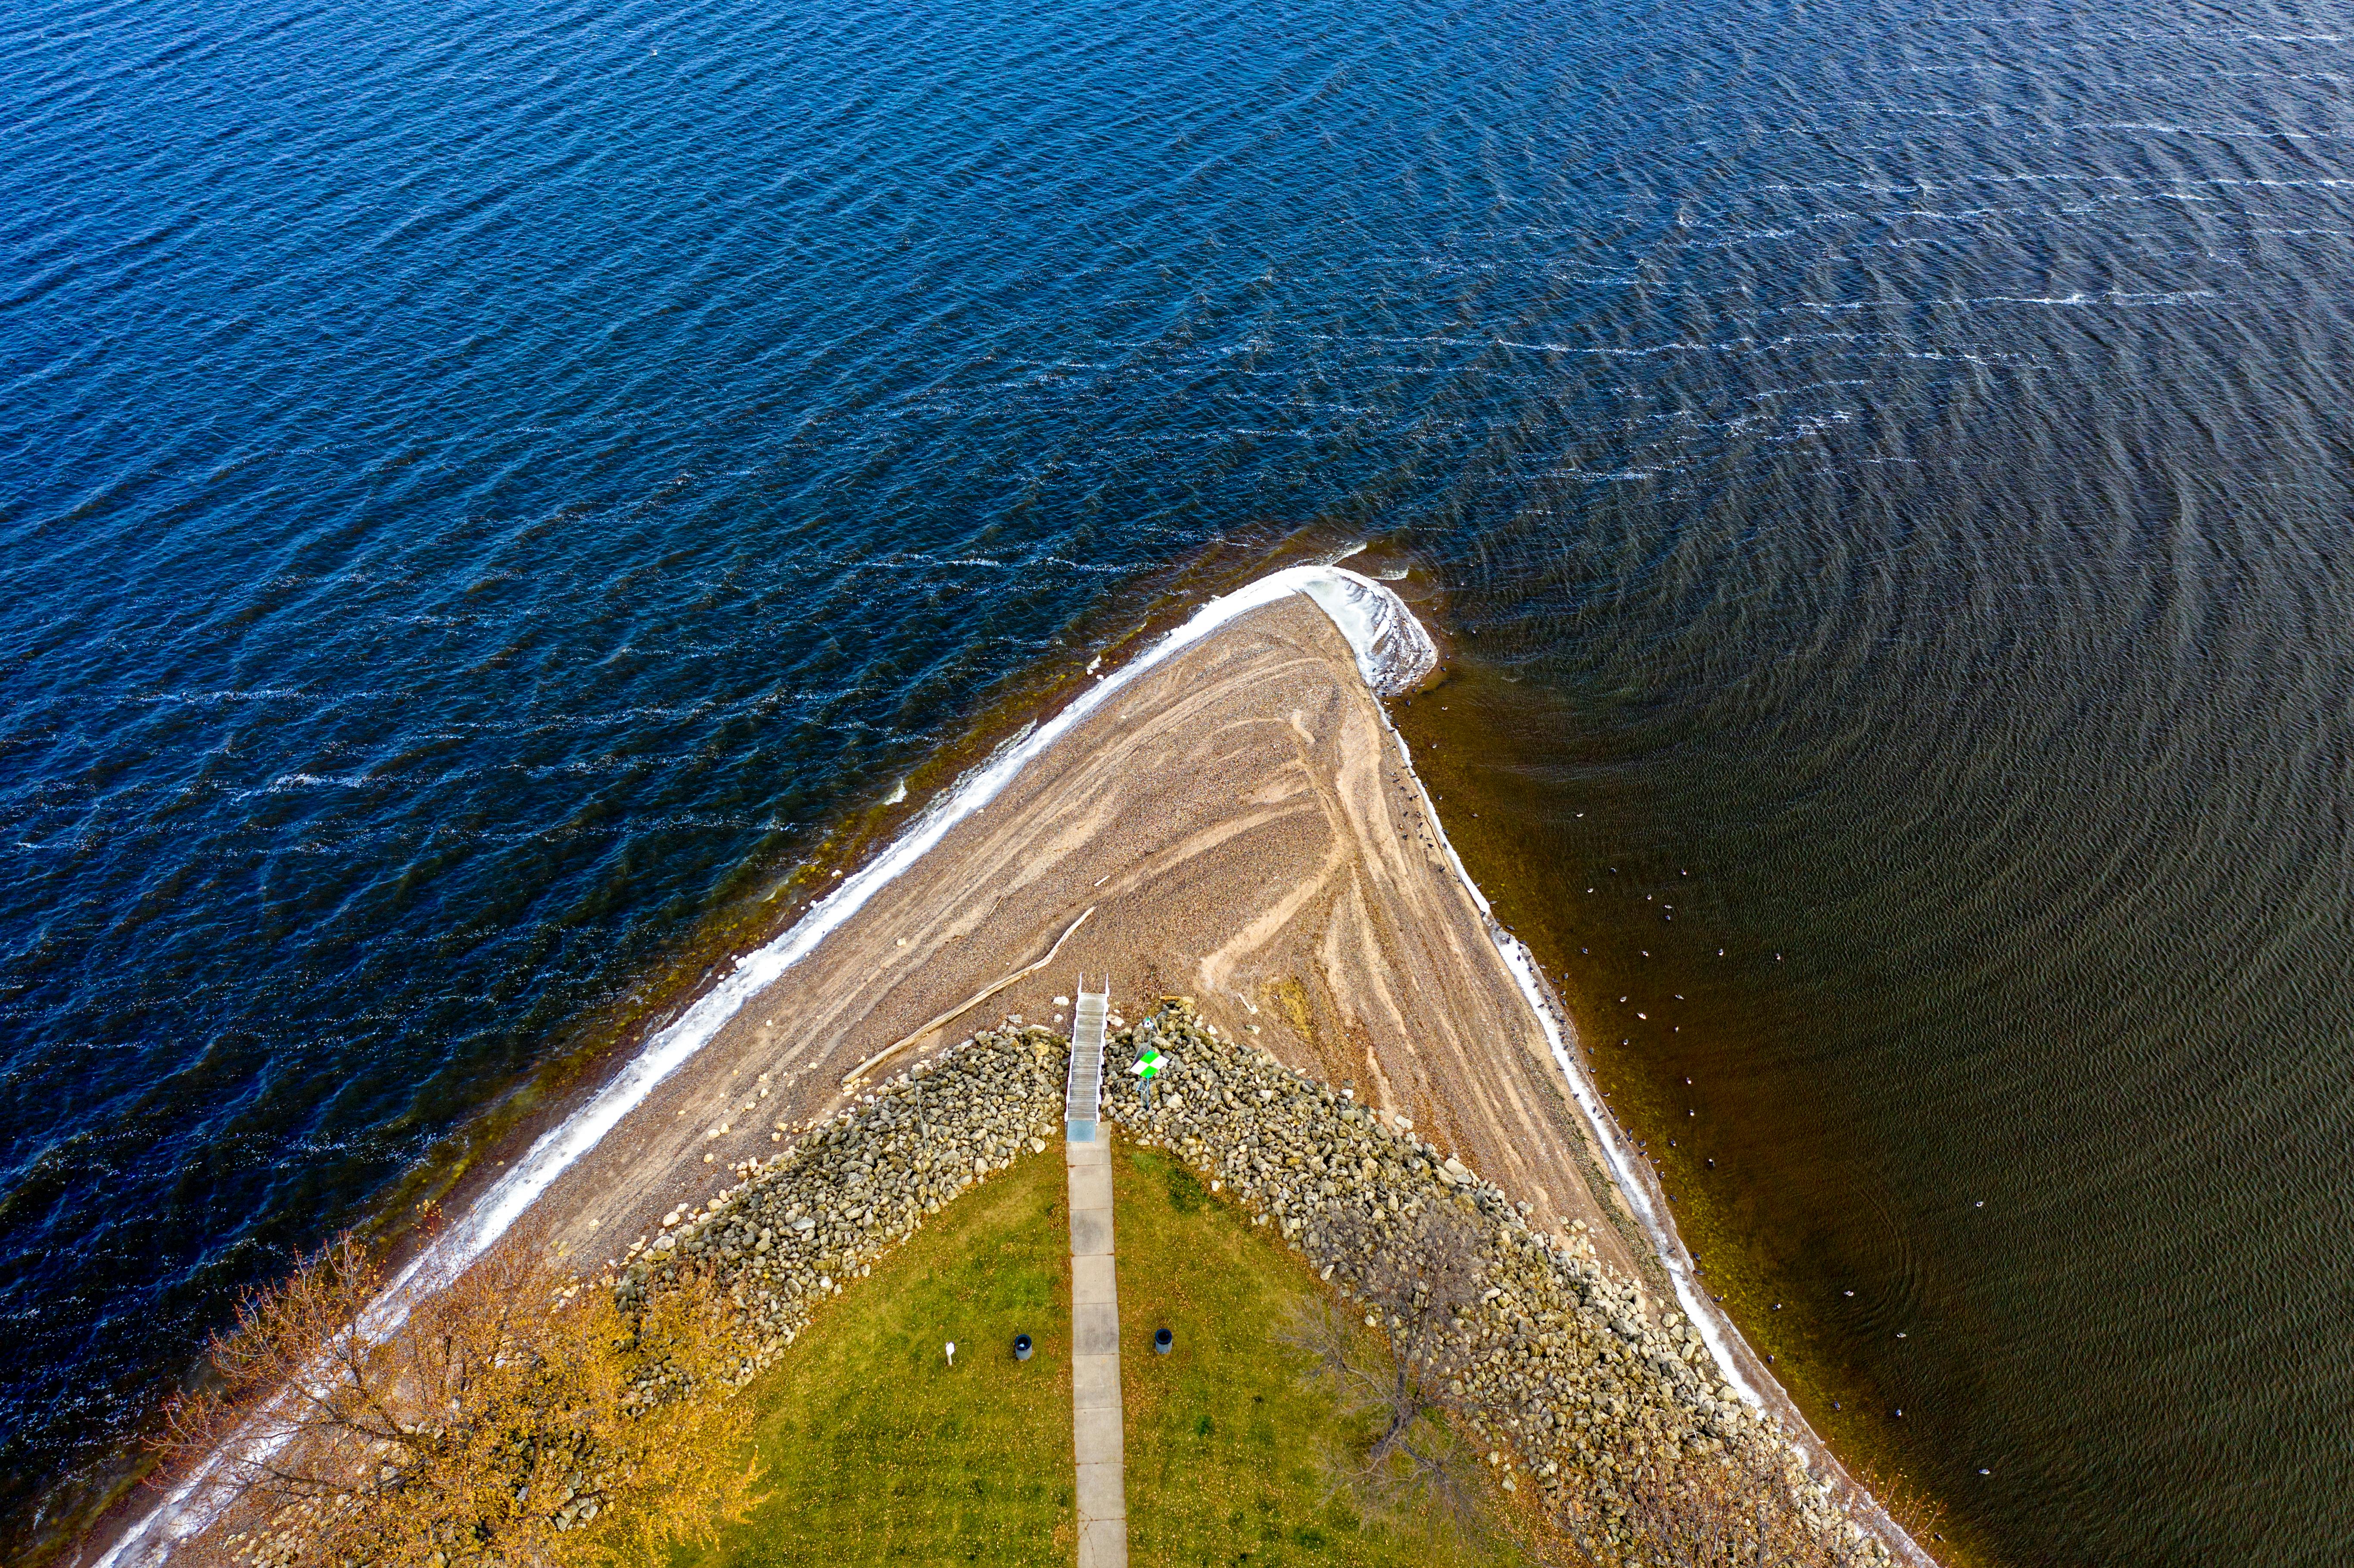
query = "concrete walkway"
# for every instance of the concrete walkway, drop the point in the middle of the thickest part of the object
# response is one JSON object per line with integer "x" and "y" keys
{"x": 1096, "y": 1426}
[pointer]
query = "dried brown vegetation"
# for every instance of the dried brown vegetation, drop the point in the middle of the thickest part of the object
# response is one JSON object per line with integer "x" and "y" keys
{"x": 515, "y": 1416}
{"x": 1737, "y": 1508}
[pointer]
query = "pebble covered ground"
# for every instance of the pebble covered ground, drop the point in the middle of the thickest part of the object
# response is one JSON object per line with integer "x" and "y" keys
{"x": 800, "y": 1224}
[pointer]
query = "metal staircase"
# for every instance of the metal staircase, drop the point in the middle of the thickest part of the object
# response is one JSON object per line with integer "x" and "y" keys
{"x": 1083, "y": 1100}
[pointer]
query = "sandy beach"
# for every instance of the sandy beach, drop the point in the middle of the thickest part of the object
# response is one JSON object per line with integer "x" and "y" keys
{"x": 1239, "y": 822}
{"x": 1236, "y": 823}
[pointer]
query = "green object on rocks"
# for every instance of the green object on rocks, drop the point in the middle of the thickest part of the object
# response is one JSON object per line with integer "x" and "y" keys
{"x": 1149, "y": 1064}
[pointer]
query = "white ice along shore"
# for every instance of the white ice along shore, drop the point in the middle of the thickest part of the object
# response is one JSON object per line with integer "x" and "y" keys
{"x": 1394, "y": 652}
{"x": 1625, "y": 1167}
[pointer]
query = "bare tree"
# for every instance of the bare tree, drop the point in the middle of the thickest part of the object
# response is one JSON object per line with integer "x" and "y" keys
{"x": 1417, "y": 1289}
{"x": 1733, "y": 1509}
{"x": 514, "y": 1416}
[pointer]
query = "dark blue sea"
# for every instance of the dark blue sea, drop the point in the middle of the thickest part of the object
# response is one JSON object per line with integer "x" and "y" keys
{"x": 486, "y": 490}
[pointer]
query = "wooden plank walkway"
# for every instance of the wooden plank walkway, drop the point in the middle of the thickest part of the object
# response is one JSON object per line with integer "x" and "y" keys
{"x": 1099, "y": 1441}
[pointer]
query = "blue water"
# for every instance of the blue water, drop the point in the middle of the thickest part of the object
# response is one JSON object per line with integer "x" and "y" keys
{"x": 485, "y": 489}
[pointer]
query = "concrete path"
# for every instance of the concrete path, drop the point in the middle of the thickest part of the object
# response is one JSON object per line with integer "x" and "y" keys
{"x": 1096, "y": 1427}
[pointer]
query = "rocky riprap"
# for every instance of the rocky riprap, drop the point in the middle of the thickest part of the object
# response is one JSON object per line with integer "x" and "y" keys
{"x": 1569, "y": 1376}
{"x": 846, "y": 1192}
{"x": 1573, "y": 1383}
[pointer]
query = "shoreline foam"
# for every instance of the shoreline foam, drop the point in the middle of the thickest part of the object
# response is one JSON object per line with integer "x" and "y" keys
{"x": 1391, "y": 652}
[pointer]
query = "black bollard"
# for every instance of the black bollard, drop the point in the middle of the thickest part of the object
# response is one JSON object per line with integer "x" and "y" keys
{"x": 1021, "y": 1347}
{"x": 1161, "y": 1340}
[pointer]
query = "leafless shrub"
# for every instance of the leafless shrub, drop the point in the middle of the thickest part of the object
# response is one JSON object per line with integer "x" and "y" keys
{"x": 1415, "y": 1288}
{"x": 1737, "y": 1508}
{"x": 1912, "y": 1509}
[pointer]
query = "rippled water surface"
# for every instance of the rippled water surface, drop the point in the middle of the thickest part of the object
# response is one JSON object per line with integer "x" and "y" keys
{"x": 485, "y": 488}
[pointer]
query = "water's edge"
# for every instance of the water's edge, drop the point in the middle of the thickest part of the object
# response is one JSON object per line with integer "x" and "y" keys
{"x": 1631, "y": 1177}
{"x": 1394, "y": 652}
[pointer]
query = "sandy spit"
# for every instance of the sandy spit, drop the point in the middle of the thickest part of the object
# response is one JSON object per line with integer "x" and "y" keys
{"x": 1238, "y": 823}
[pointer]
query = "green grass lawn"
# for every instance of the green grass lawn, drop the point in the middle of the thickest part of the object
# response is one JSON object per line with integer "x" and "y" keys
{"x": 1230, "y": 1459}
{"x": 876, "y": 1452}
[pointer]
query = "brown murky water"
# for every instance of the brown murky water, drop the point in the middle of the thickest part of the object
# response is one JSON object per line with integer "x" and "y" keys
{"x": 1981, "y": 1130}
